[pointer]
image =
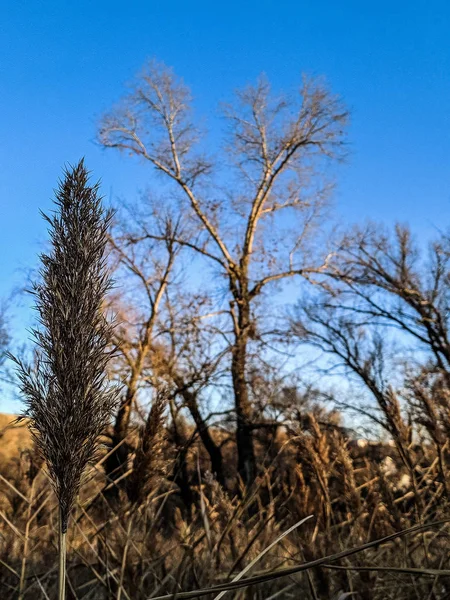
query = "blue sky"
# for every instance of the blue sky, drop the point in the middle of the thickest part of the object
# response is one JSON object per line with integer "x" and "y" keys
{"x": 63, "y": 64}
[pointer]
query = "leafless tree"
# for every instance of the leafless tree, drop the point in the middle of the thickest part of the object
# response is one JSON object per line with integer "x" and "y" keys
{"x": 256, "y": 207}
{"x": 379, "y": 283}
{"x": 189, "y": 360}
{"x": 143, "y": 270}
{"x": 160, "y": 340}
{"x": 393, "y": 285}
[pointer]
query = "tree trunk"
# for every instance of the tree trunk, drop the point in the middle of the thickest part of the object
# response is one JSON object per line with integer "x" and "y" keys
{"x": 215, "y": 455}
{"x": 244, "y": 432}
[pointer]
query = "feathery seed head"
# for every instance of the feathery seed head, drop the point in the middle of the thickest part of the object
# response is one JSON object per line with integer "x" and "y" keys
{"x": 69, "y": 402}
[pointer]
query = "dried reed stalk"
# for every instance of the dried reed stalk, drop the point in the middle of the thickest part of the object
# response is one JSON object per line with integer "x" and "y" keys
{"x": 148, "y": 461}
{"x": 69, "y": 401}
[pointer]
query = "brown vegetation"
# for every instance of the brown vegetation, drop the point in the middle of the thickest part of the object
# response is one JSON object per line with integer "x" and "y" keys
{"x": 223, "y": 460}
{"x": 157, "y": 543}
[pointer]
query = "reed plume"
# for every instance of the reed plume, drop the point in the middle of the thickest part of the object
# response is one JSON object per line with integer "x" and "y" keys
{"x": 148, "y": 460}
{"x": 68, "y": 399}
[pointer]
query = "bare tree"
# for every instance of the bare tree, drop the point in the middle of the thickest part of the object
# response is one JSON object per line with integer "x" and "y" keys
{"x": 159, "y": 338}
{"x": 144, "y": 269}
{"x": 189, "y": 361}
{"x": 380, "y": 283}
{"x": 385, "y": 281}
{"x": 257, "y": 227}
{"x": 392, "y": 285}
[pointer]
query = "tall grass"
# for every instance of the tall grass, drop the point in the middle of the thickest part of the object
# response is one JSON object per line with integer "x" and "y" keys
{"x": 157, "y": 546}
{"x": 68, "y": 400}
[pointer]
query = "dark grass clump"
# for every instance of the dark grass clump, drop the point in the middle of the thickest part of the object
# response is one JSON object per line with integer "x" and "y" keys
{"x": 148, "y": 458}
{"x": 69, "y": 402}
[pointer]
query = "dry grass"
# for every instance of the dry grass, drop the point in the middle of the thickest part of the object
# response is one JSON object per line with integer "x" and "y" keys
{"x": 161, "y": 546}
{"x": 14, "y": 438}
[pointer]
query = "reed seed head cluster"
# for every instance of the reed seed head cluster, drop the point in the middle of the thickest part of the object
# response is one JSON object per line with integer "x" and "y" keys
{"x": 68, "y": 396}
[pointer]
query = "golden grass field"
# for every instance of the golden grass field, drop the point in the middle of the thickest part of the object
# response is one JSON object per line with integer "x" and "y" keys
{"x": 350, "y": 496}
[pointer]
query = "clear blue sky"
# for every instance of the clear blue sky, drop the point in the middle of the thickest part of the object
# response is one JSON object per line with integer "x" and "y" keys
{"x": 63, "y": 63}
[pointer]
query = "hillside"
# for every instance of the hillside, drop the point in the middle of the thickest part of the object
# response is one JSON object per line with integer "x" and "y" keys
{"x": 13, "y": 438}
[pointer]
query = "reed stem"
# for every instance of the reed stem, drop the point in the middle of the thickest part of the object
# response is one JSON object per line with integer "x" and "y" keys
{"x": 62, "y": 561}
